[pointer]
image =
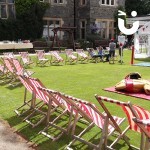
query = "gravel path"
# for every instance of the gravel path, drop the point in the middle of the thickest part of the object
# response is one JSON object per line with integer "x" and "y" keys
{"x": 9, "y": 140}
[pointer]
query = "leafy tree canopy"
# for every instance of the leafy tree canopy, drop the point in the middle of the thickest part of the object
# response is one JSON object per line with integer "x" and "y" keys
{"x": 116, "y": 18}
{"x": 141, "y": 6}
{"x": 28, "y": 23}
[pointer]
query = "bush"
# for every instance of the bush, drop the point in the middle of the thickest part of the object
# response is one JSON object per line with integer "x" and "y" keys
{"x": 28, "y": 23}
{"x": 93, "y": 37}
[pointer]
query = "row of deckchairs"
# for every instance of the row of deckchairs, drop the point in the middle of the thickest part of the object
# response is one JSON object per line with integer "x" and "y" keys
{"x": 11, "y": 68}
{"x": 53, "y": 106}
{"x": 55, "y": 57}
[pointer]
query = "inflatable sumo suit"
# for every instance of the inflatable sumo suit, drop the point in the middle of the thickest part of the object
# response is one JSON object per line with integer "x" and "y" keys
{"x": 134, "y": 84}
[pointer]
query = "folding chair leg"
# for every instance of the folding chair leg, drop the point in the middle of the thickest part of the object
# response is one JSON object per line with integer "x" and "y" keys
{"x": 17, "y": 110}
{"x": 122, "y": 136}
{"x": 103, "y": 139}
{"x": 147, "y": 144}
{"x": 78, "y": 137}
{"x": 55, "y": 126}
{"x": 142, "y": 141}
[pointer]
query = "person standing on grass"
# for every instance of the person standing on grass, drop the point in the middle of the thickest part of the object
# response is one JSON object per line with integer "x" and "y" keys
{"x": 112, "y": 47}
{"x": 121, "y": 42}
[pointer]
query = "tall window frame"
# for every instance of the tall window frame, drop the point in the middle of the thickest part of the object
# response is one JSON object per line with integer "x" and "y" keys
{"x": 108, "y": 2}
{"x": 58, "y": 1}
{"x": 83, "y": 29}
{"x": 106, "y": 28}
{"x": 49, "y": 24}
{"x": 7, "y": 9}
{"x": 82, "y": 2}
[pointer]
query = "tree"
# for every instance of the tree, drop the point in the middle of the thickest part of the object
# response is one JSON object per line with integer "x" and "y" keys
{"x": 116, "y": 18}
{"x": 30, "y": 15}
{"x": 28, "y": 23}
{"x": 141, "y": 6}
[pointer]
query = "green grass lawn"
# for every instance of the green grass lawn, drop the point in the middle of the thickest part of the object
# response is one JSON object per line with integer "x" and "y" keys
{"x": 81, "y": 81}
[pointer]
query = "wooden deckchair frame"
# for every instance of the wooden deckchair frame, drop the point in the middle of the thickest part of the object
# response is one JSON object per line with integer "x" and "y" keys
{"x": 70, "y": 58}
{"x": 81, "y": 55}
{"x": 92, "y": 59}
{"x": 134, "y": 113}
{"x": 25, "y": 59}
{"x": 19, "y": 69}
{"x": 53, "y": 123}
{"x": 41, "y": 61}
{"x": 12, "y": 74}
{"x": 35, "y": 83}
{"x": 56, "y": 58}
{"x": 4, "y": 72}
{"x": 30, "y": 103}
{"x": 146, "y": 145}
{"x": 80, "y": 113}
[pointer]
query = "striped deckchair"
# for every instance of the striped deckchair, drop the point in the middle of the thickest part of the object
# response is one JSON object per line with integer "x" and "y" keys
{"x": 11, "y": 74}
{"x": 26, "y": 60}
{"x": 9, "y": 54}
{"x": 21, "y": 110}
{"x": 131, "y": 111}
{"x": 81, "y": 55}
{"x": 3, "y": 71}
{"x": 91, "y": 58}
{"x": 69, "y": 109}
{"x": 55, "y": 57}
{"x": 19, "y": 69}
{"x": 144, "y": 125}
{"x": 70, "y": 57}
{"x": 65, "y": 110}
{"x": 41, "y": 59}
{"x": 93, "y": 118}
{"x": 44, "y": 100}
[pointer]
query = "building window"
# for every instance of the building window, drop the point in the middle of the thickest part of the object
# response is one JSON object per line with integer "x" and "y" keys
{"x": 58, "y": 1}
{"x": 49, "y": 25}
{"x": 103, "y": 2}
{"x": 105, "y": 28}
{"x": 108, "y": 2}
{"x": 82, "y": 2}
{"x": 83, "y": 29}
{"x": 7, "y": 9}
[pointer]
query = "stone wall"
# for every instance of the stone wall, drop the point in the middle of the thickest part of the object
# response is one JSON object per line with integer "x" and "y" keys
{"x": 90, "y": 12}
{"x": 64, "y": 11}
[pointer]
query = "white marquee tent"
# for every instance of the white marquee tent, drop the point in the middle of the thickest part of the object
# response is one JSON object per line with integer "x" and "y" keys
{"x": 142, "y": 42}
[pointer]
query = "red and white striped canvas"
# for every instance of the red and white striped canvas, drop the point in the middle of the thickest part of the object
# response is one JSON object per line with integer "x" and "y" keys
{"x": 40, "y": 54}
{"x": 27, "y": 86}
{"x": 25, "y": 57}
{"x": 35, "y": 83}
{"x": 69, "y": 53}
{"x": 97, "y": 119}
{"x": 18, "y": 66}
{"x": 57, "y": 56}
{"x": 142, "y": 114}
{"x": 81, "y": 53}
{"x": 41, "y": 94}
{"x": 8, "y": 64}
{"x": 1, "y": 68}
{"x": 57, "y": 97}
{"x": 9, "y": 55}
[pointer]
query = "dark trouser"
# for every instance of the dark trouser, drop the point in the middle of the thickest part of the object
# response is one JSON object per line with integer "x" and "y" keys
{"x": 95, "y": 56}
{"x": 120, "y": 51}
{"x": 112, "y": 53}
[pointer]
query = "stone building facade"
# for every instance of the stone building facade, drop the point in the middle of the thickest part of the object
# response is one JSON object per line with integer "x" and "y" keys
{"x": 87, "y": 15}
